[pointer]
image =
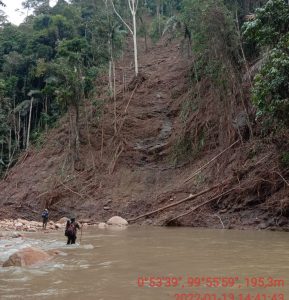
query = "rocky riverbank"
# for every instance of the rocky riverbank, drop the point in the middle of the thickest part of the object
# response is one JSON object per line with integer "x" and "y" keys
{"x": 15, "y": 228}
{"x": 22, "y": 225}
{"x": 20, "y": 252}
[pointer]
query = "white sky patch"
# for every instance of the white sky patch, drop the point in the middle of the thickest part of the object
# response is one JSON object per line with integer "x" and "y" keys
{"x": 16, "y": 17}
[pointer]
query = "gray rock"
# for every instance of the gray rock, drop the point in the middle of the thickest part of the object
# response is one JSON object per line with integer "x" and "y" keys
{"x": 282, "y": 221}
{"x": 263, "y": 226}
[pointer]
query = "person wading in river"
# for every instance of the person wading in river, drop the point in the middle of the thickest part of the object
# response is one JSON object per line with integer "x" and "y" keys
{"x": 71, "y": 230}
{"x": 44, "y": 216}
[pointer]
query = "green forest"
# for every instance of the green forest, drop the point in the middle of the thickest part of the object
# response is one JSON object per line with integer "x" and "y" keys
{"x": 144, "y": 149}
{"x": 50, "y": 62}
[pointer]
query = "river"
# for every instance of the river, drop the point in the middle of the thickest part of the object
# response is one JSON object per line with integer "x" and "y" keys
{"x": 151, "y": 263}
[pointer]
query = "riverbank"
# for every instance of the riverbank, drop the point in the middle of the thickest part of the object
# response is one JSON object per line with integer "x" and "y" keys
{"x": 22, "y": 225}
{"x": 12, "y": 227}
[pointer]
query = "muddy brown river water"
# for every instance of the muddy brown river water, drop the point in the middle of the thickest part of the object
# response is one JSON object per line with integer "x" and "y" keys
{"x": 153, "y": 263}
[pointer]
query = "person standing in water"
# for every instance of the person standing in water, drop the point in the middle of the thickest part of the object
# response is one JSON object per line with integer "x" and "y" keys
{"x": 45, "y": 216}
{"x": 71, "y": 230}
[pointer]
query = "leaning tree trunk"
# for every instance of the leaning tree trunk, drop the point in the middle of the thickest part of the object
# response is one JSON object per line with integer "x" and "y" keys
{"x": 74, "y": 132}
{"x": 29, "y": 124}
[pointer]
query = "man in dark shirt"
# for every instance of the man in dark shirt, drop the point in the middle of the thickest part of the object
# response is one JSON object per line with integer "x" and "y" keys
{"x": 71, "y": 230}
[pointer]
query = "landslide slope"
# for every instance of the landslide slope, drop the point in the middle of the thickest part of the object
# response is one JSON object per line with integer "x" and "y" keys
{"x": 127, "y": 161}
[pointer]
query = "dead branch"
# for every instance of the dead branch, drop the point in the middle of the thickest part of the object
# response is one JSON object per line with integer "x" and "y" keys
{"x": 125, "y": 110}
{"x": 191, "y": 197}
{"x": 200, "y": 205}
{"x": 259, "y": 161}
{"x": 209, "y": 162}
{"x": 282, "y": 177}
{"x": 117, "y": 154}
{"x": 220, "y": 220}
{"x": 72, "y": 191}
{"x": 42, "y": 194}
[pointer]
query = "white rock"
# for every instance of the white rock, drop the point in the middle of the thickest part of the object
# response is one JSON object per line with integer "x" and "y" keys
{"x": 23, "y": 221}
{"x": 117, "y": 221}
{"x": 102, "y": 225}
{"x": 57, "y": 225}
{"x": 35, "y": 223}
{"x": 16, "y": 235}
{"x": 62, "y": 220}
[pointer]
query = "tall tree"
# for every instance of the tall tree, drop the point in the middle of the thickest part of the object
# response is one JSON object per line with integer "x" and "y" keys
{"x": 133, "y": 5}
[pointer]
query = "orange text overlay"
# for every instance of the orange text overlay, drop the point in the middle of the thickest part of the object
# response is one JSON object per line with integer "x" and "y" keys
{"x": 230, "y": 296}
{"x": 211, "y": 282}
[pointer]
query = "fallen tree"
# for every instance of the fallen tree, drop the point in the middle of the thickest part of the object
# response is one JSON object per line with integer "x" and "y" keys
{"x": 200, "y": 205}
{"x": 189, "y": 198}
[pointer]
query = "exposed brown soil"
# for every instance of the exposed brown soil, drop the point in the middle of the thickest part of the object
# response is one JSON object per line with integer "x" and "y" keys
{"x": 126, "y": 167}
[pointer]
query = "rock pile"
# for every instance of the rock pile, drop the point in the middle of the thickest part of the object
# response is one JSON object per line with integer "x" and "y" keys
{"x": 20, "y": 225}
{"x": 29, "y": 226}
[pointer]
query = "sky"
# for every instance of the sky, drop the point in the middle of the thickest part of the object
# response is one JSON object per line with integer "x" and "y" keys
{"x": 14, "y": 16}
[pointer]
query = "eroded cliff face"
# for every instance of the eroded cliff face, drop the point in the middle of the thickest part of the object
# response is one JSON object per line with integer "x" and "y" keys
{"x": 127, "y": 164}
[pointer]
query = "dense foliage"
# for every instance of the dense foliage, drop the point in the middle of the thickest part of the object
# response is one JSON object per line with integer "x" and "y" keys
{"x": 270, "y": 32}
{"x": 48, "y": 64}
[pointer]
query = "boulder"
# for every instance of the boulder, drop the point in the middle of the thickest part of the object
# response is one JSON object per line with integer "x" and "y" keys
{"x": 117, "y": 221}
{"x": 18, "y": 225}
{"x": 35, "y": 224}
{"x": 102, "y": 225}
{"x": 27, "y": 257}
{"x": 62, "y": 220}
{"x": 58, "y": 225}
{"x": 16, "y": 235}
{"x": 282, "y": 221}
{"x": 24, "y": 222}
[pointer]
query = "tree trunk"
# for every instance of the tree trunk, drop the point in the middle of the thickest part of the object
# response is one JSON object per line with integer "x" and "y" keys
{"x": 114, "y": 97}
{"x": 29, "y": 123}
{"x": 74, "y": 121}
{"x": 145, "y": 33}
{"x": 18, "y": 131}
{"x": 133, "y": 8}
{"x": 110, "y": 77}
{"x": 159, "y": 18}
{"x": 10, "y": 145}
{"x": 135, "y": 44}
{"x": 46, "y": 113}
{"x": 24, "y": 133}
